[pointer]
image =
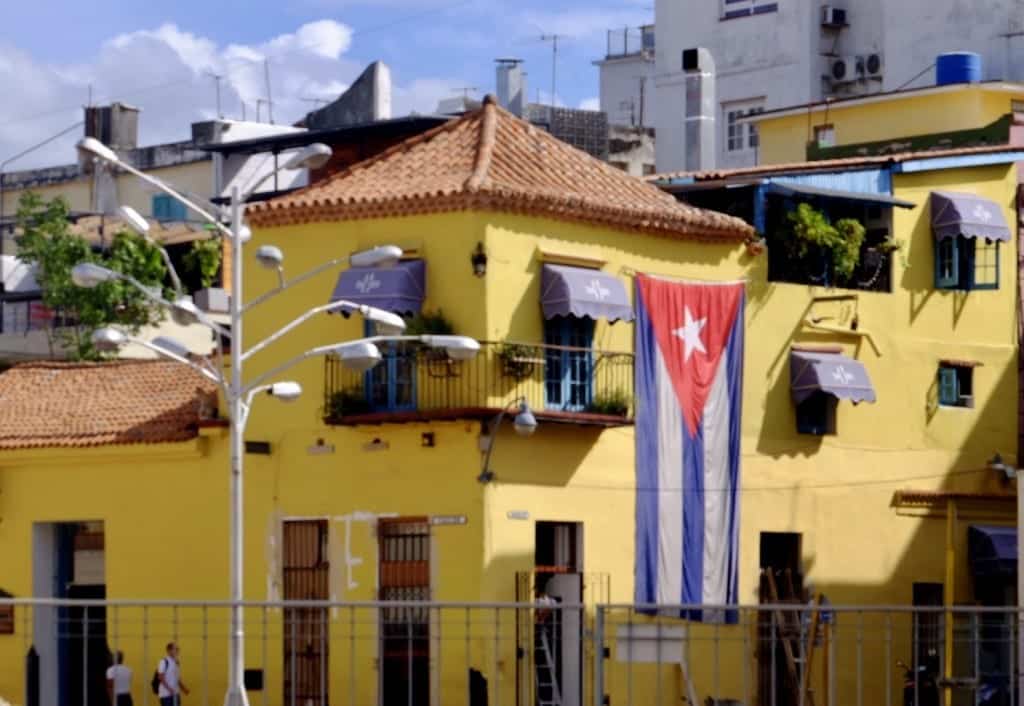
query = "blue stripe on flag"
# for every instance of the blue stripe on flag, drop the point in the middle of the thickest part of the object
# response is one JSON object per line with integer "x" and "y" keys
{"x": 734, "y": 353}
{"x": 646, "y": 572}
{"x": 693, "y": 517}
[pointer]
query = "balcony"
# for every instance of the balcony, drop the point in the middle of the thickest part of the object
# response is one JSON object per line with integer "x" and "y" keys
{"x": 412, "y": 383}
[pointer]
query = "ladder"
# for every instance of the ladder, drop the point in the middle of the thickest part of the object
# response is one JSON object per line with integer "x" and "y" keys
{"x": 547, "y": 679}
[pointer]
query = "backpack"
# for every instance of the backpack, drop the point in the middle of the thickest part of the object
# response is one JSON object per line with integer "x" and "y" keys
{"x": 155, "y": 682}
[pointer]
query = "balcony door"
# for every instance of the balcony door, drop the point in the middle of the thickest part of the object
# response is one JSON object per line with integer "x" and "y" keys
{"x": 391, "y": 384}
{"x": 568, "y": 363}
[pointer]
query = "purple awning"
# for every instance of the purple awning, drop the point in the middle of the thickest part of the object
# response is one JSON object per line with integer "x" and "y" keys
{"x": 577, "y": 291}
{"x": 969, "y": 215}
{"x": 400, "y": 289}
{"x": 832, "y": 373}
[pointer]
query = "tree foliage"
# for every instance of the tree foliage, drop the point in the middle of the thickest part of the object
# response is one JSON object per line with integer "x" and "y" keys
{"x": 203, "y": 260}
{"x": 47, "y": 244}
{"x": 841, "y": 240}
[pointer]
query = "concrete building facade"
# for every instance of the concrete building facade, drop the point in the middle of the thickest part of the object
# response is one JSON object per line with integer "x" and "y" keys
{"x": 774, "y": 53}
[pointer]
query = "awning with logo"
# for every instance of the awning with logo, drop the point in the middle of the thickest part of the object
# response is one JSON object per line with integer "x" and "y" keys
{"x": 400, "y": 289}
{"x": 578, "y": 291}
{"x": 992, "y": 550}
{"x": 832, "y": 373}
{"x": 969, "y": 215}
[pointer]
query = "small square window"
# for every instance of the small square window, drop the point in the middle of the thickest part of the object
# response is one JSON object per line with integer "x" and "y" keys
{"x": 816, "y": 415}
{"x": 966, "y": 263}
{"x": 956, "y": 385}
{"x": 825, "y": 135}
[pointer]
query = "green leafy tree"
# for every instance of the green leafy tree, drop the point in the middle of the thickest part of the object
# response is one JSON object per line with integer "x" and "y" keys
{"x": 842, "y": 240}
{"x": 203, "y": 260}
{"x": 47, "y": 244}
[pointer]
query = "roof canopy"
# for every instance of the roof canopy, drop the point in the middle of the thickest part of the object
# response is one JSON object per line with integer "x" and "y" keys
{"x": 832, "y": 373}
{"x": 401, "y": 288}
{"x": 578, "y": 291}
{"x": 491, "y": 160}
{"x": 992, "y": 550}
{"x": 969, "y": 215}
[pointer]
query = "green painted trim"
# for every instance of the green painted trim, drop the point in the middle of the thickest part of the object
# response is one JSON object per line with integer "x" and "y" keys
{"x": 996, "y": 133}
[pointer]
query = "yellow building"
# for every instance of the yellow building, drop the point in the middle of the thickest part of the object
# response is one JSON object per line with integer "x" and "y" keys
{"x": 935, "y": 117}
{"x": 373, "y": 487}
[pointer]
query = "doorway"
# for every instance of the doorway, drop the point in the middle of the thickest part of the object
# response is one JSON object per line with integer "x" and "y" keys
{"x": 781, "y": 582}
{"x": 69, "y": 563}
{"x": 557, "y": 635}
{"x": 405, "y": 631}
{"x": 306, "y": 573}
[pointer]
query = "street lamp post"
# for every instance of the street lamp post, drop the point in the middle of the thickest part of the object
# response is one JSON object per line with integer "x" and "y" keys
{"x": 524, "y": 423}
{"x": 361, "y": 354}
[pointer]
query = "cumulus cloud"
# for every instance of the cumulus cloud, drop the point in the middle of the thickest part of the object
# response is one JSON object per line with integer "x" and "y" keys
{"x": 169, "y": 72}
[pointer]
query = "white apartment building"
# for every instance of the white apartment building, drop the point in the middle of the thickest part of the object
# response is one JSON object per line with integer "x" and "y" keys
{"x": 769, "y": 54}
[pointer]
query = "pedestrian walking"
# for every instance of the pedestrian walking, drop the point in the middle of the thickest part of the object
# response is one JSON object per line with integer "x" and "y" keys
{"x": 119, "y": 682}
{"x": 169, "y": 674}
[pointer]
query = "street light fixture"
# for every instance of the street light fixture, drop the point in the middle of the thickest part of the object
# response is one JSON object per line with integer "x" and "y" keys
{"x": 524, "y": 424}
{"x": 361, "y": 355}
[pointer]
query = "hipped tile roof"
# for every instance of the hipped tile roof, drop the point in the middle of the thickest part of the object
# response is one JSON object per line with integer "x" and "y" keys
{"x": 490, "y": 160}
{"x": 56, "y": 404}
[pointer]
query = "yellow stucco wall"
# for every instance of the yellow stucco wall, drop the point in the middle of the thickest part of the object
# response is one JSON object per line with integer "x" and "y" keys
{"x": 837, "y": 491}
{"x": 784, "y": 139}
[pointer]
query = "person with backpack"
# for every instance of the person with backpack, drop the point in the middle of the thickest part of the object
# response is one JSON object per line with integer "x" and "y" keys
{"x": 167, "y": 683}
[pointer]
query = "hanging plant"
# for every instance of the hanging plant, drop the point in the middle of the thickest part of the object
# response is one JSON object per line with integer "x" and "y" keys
{"x": 518, "y": 360}
{"x": 428, "y": 322}
{"x": 842, "y": 241}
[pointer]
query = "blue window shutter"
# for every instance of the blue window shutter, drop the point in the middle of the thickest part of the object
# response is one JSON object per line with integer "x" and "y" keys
{"x": 166, "y": 208}
{"x": 947, "y": 264}
{"x": 948, "y": 393}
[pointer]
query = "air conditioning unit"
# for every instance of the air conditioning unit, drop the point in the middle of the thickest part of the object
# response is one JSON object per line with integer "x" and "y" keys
{"x": 843, "y": 70}
{"x": 873, "y": 65}
{"x": 834, "y": 17}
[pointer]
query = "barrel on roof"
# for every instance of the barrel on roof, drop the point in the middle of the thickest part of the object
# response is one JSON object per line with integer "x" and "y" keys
{"x": 957, "y": 67}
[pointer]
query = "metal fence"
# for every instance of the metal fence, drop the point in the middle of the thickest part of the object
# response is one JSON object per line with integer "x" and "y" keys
{"x": 555, "y": 380}
{"x": 519, "y": 654}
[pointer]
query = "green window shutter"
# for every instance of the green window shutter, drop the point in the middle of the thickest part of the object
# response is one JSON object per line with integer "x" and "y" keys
{"x": 949, "y": 394}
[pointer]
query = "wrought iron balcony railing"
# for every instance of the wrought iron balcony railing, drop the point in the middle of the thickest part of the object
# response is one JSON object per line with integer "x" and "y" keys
{"x": 560, "y": 383}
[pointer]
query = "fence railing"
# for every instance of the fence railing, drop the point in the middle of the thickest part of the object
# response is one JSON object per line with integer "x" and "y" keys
{"x": 629, "y": 40}
{"x": 518, "y": 654}
{"x": 574, "y": 384}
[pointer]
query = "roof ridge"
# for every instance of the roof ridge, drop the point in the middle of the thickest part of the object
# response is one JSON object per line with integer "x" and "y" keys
{"x": 485, "y": 145}
{"x": 72, "y": 364}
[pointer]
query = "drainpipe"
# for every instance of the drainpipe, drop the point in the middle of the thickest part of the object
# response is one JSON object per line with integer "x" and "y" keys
{"x": 947, "y": 598}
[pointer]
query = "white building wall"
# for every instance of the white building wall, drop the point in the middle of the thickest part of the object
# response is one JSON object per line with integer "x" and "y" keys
{"x": 780, "y": 58}
{"x": 764, "y": 59}
{"x": 627, "y": 90}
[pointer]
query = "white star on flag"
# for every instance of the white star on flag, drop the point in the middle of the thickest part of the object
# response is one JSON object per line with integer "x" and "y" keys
{"x": 690, "y": 333}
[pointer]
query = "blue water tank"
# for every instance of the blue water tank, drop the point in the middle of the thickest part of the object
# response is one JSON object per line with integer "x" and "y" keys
{"x": 957, "y": 67}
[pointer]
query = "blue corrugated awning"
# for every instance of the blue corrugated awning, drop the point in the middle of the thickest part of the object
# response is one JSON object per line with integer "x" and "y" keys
{"x": 791, "y": 188}
{"x": 969, "y": 215}
{"x": 577, "y": 291}
{"x": 831, "y": 373}
{"x": 400, "y": 289}
{"x": 992, "y": 550}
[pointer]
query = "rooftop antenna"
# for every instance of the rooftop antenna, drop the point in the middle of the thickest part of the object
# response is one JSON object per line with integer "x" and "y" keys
{"x": 270, "y": 100}
{"x": 259, "y": 102}
{"x": 553, "y": 38}
{"x": 216, "y": 79}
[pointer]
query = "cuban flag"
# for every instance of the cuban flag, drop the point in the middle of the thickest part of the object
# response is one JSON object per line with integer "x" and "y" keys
{"x": 689, "y": 382}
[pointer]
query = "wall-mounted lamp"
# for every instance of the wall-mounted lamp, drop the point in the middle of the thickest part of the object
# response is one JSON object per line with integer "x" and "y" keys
{"x": 524, "y": 424}
{"x": 479, "y": 260}
{"x": 997, "y": 465}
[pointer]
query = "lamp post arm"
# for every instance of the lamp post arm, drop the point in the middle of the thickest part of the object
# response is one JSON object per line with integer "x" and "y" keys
{"x": 493, "y": 433}
{"x": 294, "y": 281}
{"x": 311, "y": 353}
{"x": 173, "y": 193}
{"x": 160, "y": 350}
{"x": 297, "y": 322}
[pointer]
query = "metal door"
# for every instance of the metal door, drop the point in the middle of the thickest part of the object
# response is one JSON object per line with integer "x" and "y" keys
{"x": 306, "y": 572}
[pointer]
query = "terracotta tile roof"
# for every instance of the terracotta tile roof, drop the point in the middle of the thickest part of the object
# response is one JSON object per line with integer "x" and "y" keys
{"x": 491, "y": 160}
{"x": 46, "y": 404}
{"x": 832, "y": 164}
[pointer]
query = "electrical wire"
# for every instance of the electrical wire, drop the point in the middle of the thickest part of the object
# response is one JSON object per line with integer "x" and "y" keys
{"x": 916, "y": 76}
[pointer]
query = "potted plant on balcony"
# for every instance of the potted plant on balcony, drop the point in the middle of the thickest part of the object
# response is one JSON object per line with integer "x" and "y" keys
{"x": 434, "y": 322}
{"x": 612, "y": 404}
{"x": 838, "y": 243}
{"x": 518, "y": 360}
{"x": 344, "y": 403}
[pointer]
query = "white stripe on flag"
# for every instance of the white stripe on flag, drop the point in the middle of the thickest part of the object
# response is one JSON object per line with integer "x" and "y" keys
{"x": 670, "y": 494}
{"x": 717, "y": 536}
